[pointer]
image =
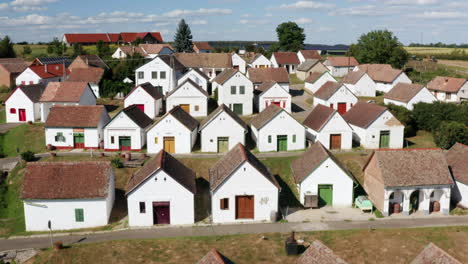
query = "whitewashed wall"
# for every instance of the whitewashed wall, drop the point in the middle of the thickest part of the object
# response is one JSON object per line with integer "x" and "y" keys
{"x": 261, "y": 62}
{"x": 239, "y": 62}
{"x": 19, "y": 100}
{"x": 386, "y": 87}
{"x": 123, "y": 126}
{"x": 313, "y": 87}
{"x": 187, "y": 94}
{"x": 140, "y": 96}
{"x": 274, "y": 94}
{"x": 423, "y": 96}
{"x": 460, "y": 193}
{"x": 158, "y": 65}
{"x": 171, "y": 127}
{"x": 28, "y": 77}
{"x": 221, "y": 126}
{"x": 339, "y": 71}
{"x": 225, "y": 96}
{"x": 336, "y": 125}
{"x": 343, "y": 95}
{"x": 364, "y": 87}
{"x": 197, "y": 78}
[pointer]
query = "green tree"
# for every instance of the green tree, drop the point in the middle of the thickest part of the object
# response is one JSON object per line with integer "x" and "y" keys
{"x": 6, "y": 48}
{"x": 27, "y": 50}
{"x": 50, "y": 49}
{"x": 137, "y": 42}
{"x": 290, "y": 36}
{"x": 449, "y": 133}
{"x": 249, "y": 48}
{"x": 379, "y": 46}
{"x": 183, "y": 38}
{"x": 102, "y": 48}
{"x": 78, "y": 50}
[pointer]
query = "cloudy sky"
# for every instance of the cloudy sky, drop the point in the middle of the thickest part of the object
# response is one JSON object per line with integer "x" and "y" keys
{"x": 325, "y": 22}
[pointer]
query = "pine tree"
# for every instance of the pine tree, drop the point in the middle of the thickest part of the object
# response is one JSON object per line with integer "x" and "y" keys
{"x": 183, "y": 38}
{"x": 6, "y": 48}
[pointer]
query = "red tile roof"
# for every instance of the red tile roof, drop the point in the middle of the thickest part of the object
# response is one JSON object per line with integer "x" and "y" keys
{"x": 432, "y": 254}
{"x": 286, "y": 57}
{"x": 446, "y": 84}
{"x": 49, "y": 70}
{"x": 260, "y": 75}
{"x": 364, "y": 114}
{"x": 318, "y": 117}
{"x": 66, "y": 180}
{"x": 341, "y": 61}
{"x": 92, "y": 37}
{"x": 202, "y": 46}
{"x": 78, "y": 116}
{"x": 132, "y": 36}
{"x": 63, "y": 91}
{"x": 91, "y": 74}
{"x": 310, "y": 54}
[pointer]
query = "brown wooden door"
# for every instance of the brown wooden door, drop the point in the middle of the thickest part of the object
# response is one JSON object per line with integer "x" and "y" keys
{"x": 169, "y": 144}
{"x": 161, "y": 213}
{"x": 335, "y": 141}
{"x": 185, "y": 107}
{"x": 245, "y": 207}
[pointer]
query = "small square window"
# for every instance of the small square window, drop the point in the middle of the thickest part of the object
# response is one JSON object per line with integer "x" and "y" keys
{"x": 233, "y": 89}
{"x": 224, "y": 204}
{"x": 142, "y": 207}
{"x": 141, "y": 75}
{"x": 197, "y": 108}
{"x": 162, "y": 75}
{"x": 269, "y": 139}
{"x": 12, "y": 111}
{"x": 79, "y": 215}
{"x": 241, "y": 89}
{"x": 155, "y": 140}
{"x": 112, "y": 140}
{"x": 59, "y": 137}
{"x": 154, "y": 75}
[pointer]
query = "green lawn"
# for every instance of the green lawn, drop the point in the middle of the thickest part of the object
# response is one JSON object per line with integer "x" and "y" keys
{"x": 41, "y": 51}
{"x": 2, "y": 116}
{"x": 11, "y": 207}
{"x": 23, "y": 138}
{"x": 294, "y": 80}
{"x": 423, "y": 139}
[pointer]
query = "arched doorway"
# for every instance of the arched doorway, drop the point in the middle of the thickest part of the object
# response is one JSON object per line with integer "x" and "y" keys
{"x": 414, "y": 201}
{"x": 395, "y": 202}
{"x": 435, "y": 198}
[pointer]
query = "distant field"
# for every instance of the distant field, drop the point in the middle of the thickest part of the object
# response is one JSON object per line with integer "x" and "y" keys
{"x": 431, "y": 50}
{"x": 41, "y": 50}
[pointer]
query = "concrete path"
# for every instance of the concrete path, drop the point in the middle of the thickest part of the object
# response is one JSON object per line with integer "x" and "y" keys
{"x": 7, "y": 164}
{"x": 7, "y": 126}
{"x": 43, "y": 241}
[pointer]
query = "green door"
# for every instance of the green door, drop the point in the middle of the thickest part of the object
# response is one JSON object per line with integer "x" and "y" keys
{"x": 282, "y": 142}
{"x": 78, "y": 140}
{"x": 237, "y": 108}
{"x": 125, "y": 143}
{"x": 223, "y": 144}
{"x": 384, "y": 139}
{"x": 325, "y": 192}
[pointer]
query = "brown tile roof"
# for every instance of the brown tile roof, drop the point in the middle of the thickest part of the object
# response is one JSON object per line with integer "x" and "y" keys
{"x": 265, "y": 86}
{"x": 313, "y": 77}
{"x": 154, "y": 48}
{"x": 286, "y": 57}
{"x": 32, "y": 91}
{"x": 327, "y": 90}
{"x": 319, "y": 253}
{"x": 318, "y": 117}
{"x": 224, "y": 76}
{"x": 310, "y": 54}
{"x": 252, "y": 57}
{"x": 380, "y": 72}
{"x": 446, "y": 84}
{"x": 231, "y": 161}
{"x": 214, "y": 257}
{"x": 66, "y": 180}
{"x": 265, "y": 116}
{"x": 183, "y": 117}
{"x": 64, "y": 91}
{"x": 432, "y": 254}
{"x": 403, "y": 92}
{"x": 457, "y": 159}
{"x": 91, "y": 74}
{"x": 259, "y": 75}
{"x": 13, "y": 65}
{"x": 412, "y": 167}
{"x": 132, "y": 50}
{"x": 363, "y": 114}
{"x": 92, "y": 60}
{"x": 194, "y": 84}
{"x": 310, "y": 160}
{"x": 137, "y": 116}
{"x": 172, "y": 60}
{"x": 75, "y": 116}
{"x": 353, "y": 77}
{"x": 307, "y": 64}
{"x": 203, "y": 46}
{"x": 222, "y": 108}
{"x": 166, "y": 162}
{"x": 205, "y": 60}
{"x": 150, "y": 89}
{"x": 341, "y": 61}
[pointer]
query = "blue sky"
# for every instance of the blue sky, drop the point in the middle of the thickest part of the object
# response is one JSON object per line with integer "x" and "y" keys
{"x": 325, "y": 22}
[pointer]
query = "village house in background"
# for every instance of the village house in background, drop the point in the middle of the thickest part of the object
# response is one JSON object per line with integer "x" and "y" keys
{"x": 235, "y": 90}
{"x": 42, "y": 74}
{"x": 408, "y": 181}
{"x": 147, "y": 98}
{"x": 211, "y": 64}
{"x": 259, "y": 61}
{"x": 111, "y": 38}
{"x": 360, "y": 84}
{"x": 242, "y": 189}
{"x": 10, "y": 68}
{"x": 161, "y": 192}
{"x": 308, "y": 67}
{"x": 162, "y": 71}
{"x": 202, "y": 47}
{"x": 304, "y": 55}
{"x": 384, "y": 76}
{"x": 340, "y": 66}
{"x": 449, "y": 89}
{"x": 315, "y": 80}
{"x": 149, "y": 51}
{"x": 87, "y": 61}
{"x": 407, "y": 95}
{"x": 91, "y": 75}
{"x": 190, "y": 97}
{"x": 71, "y": 195}
{"x": 285, "y": 59}
{"x": 336, "y": 96}
{"x": 271, "y": 92}
{"x": 260, "y": 75}
{"x": 22, "y": 105}
{"x": 197, "y": 76}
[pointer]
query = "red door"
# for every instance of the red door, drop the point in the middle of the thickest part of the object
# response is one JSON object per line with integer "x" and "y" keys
{"x": 161, "y": 213}
{"x": 22, "y": 115}
{"x": 342, "y": 108}
{"x": 277, "y": 103}
{"x": 141, "y": 107}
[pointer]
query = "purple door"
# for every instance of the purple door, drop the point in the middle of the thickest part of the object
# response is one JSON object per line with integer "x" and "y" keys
{"x": 161, "y": 213}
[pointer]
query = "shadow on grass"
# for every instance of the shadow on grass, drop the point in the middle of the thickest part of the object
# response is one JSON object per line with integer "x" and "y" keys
{"x": 287, "y": 200}
{"x": 296, "y": 109}
{"x": 111, "y": 108}
{"x": 119, "y": 211}
{"x": 202, "y": 199}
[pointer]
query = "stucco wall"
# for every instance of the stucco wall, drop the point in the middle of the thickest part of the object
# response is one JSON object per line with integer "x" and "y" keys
{"x": 170, "y": 127}
{"x": 140, "y": 96}
{"x": 225, "y": 96}
{"x": 122, "y": 126}
{"x": 221, "y": 126}
{"x": 18, "y": 100}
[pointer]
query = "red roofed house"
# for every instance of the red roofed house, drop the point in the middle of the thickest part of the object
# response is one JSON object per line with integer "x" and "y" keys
{"x": 42, "y": 74}
{"x": 448, "y": 89}
{"x": 340, "y": 66}
{"x": 124, "y": 37}
{"x": 10, "y": 68}
{"x": 76, "y": 126}
{"x": 304, "y": 55}
{"x": 69, "y": 195}
{"x": 288, "y": 60}
{"x": 91, "y": 75}
{"x": 202, "y": 47}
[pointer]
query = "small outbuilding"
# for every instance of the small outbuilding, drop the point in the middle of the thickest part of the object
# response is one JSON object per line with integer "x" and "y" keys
{"x": 407, "y": 95}
{"x": 285, "y": 59}
{"x": 199, "y": 77}
{"x": 91, "y": 75}
{"x": 315, "y": 80}
{"x": 360, "y": 83}
{"x": 384, "y": 76}
{"x": 190, "y": 97}
{"x": 271, "y": 92}
{"x": 22, "y": 105}
{"x": 261, "y": 75}
{"x": 336, "y": 96}
{"x": 308, "y": 67}
{"x": 147, "y": 98}
{"x": 340, "y": 66}
{"x": 449, "y": 89}
{"x": 235, "y": 90}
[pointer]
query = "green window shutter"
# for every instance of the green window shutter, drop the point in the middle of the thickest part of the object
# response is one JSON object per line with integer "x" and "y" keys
{"x": 233, "y": 90}
{"x": 79, "y": 215}
{"x": 294, "y": 138}
{"x": 242, "y": 89}
{"x": 269, "y": 139}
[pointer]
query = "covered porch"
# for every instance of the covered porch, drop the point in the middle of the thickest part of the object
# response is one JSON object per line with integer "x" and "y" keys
{"x": 423, "y": 199}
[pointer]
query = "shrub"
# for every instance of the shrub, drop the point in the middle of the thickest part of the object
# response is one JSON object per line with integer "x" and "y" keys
{"x": 406, "y": 118}
{"x": 449, "y": 133}
{"x": 117, "y": 162}
{"x": 28, "y": 155}
{"x": 429, "y": 116}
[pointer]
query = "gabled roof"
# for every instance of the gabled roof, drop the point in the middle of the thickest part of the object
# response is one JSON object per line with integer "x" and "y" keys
{"x": 353, "y": 77}
{"x": 170, "y": 165}
{"x": 150, "y": 89}
{"x": 231, "y": 161}
{"x": 154, "y": 48}
{"x": 310, "y": 54}
{"x": 183, "y": 117}
{"x": 171, "y": 61}
{"x": 307, "y": 64}
{"x": 13, "y": 65}
{"x": 137, "y": 116}
{"x": 364, "y": 114}
{"x": 91, "y": 37}
{"x": 224, "y": 76}
{"x": 132, "y": 50}
{"x": 319, "y": 117}
{"x": 341, "y": 61}
{"x": 265, "y": 116}
{"x": 32, "y": 91}
{"x": 52, "y": 60}
{"x": 64, "y": 91}
{"x": 403, "y": 92}
{"x": 412, "y": 167}
{"x": 286, "y": 57}
{"x": 204, "y": 60}
{"x": 214, "y": 257}
{"x": 201, "y": 73}
{"x": 328, "y": 89}
{"x": 91, "y": 74}
{"x": 265, "y": 86}
{"x": 457, "y": 159}
{"x": 66, "y": 180}
{"x": 432, "y": 254}
{"x": 315, "y": 76}
{"x": 78, "y": 116}
{"x": 320, "y": 254}
{"x": 259, "y": 75}
{"x": 92, "y": 60}
{"x": 253, "y": 58}
{"x": 222, "y": 108}
{"x": 47, "y": 71}
{"x": 191, "y": 82}
{"x": 380, "y": 72}
{"x": 446, "y": 84}
{"x": 203, "y": 46}
{"x": 132, "y": 36}
{"x": 310, "y": 160}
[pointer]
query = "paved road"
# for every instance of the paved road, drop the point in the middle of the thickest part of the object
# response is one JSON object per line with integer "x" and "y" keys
{"x": 189, "y": 231}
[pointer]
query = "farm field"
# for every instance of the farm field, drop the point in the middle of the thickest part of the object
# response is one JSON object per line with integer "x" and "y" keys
{"x": 431, "y": 50}
{"x": 41, "y": 50}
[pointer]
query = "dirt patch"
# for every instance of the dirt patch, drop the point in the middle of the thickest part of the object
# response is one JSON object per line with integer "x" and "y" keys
{"x": 456, "y": 63}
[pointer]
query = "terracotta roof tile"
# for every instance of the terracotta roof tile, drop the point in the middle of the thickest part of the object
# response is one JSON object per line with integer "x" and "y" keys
{"x": 204, "y": 60}
{"x": 173, "y": 167}
{"x": 403, "y": 92}
{"x": 64, "y": 91}
{"x": 89, "y": 60}
{"x": 380, "y": 72}
{"x": 259, "y": 75}
{"x": 446, "y": 84}
{"x": 363, "y": 114}
{"x": 66, "y": 180}
{"x": 91, "y": 75}
{"x": 265, "y": 86}
{"x": 319, "y": 253}
{"x": 232, "y": 160}
{"x": 310, "y": 54}
{"x": 214, "y": 257}
{"x": 313, "y": 77}
{"x": 223, "y": 108}
{"x": 224, "y": 76}
{"x": 91, "y": 37}
{"x": 432, "y": 254}
{"x": 265, "y": 116}
{"x": 132, "y": 50}
{"x": 132, "y": 36}
{"x": 49, "y": 70}
{"x": 154, "y": 48}
{"x": 341, "y": 61}
{"x": 457, "y": 159}
{"x": 203, "y": 46}
{"x": 284, "y": 57}
{"x": 328, "y": 89}
{"x": 75, "y": 116}
{"x": 318, "y": 117}
{"x": 307, "y": 64}
{"x": 353, "y": 77}
{"x": 13, "y": 65}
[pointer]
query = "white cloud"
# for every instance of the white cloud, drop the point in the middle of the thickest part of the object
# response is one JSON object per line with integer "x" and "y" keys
{"x": 162, "y": 24}
{"x": 303, "y": 20}
{"x": 411, "y": 2}
{"x": 199, "y": 22}
{"x": 246, "y": 15}
{"x": 198, "y": 12}
{"x": 442, "y": 15}
{"x": 305, "y": 5}
{"x": 28, "y": 8}
{"x": 31, "y": 2}
{"x": 243, "y": 21}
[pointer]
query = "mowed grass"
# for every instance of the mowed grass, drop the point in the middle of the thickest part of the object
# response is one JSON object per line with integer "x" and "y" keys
{"x": 354, "y": 246}
{"x": 23, "y": 138}
{"x": 11, "y": 207}
{"x": 431, "y": 50}
{"x": 293, "y": 79}
{"x": 41, "y": 51}
{"x": 423, "y": 139}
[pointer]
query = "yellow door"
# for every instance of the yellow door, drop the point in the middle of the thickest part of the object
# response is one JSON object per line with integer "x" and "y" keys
{"x": 169, "y": 144}
{"x": 185, "y": 107}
